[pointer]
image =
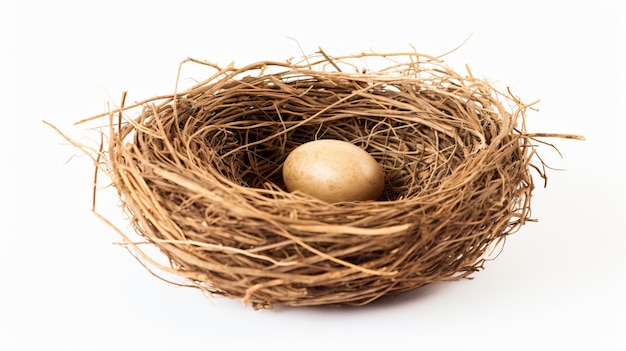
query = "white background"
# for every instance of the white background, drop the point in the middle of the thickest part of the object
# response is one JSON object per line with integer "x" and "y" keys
{"x": 558, "y": 284}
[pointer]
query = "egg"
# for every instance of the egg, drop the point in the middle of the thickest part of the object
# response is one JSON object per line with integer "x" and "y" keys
{"x": 333, "y": 171}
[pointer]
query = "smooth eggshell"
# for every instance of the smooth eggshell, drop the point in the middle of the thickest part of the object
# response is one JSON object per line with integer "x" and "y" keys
{"x": 333, "y": 171}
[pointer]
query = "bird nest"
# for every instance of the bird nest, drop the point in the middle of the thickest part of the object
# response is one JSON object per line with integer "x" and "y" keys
{"x": 199, "y": 174}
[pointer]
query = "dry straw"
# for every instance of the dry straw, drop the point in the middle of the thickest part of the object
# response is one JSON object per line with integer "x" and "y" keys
{"x": 199, "y": 174}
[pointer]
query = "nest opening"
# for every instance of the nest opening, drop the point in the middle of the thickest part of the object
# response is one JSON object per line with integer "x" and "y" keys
{"x": 199, "y": 173}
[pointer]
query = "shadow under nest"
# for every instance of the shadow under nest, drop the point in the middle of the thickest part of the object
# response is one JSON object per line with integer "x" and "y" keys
{"x": 199, "y": 173}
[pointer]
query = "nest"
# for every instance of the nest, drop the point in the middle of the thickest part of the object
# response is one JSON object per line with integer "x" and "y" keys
{"x": 199, "y": 174}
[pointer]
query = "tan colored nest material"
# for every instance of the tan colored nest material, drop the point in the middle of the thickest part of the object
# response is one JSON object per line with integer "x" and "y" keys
{"x": 199, "y": 172}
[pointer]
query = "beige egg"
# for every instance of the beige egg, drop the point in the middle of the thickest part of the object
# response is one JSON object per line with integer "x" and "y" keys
{"x": 333, "y": 171}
